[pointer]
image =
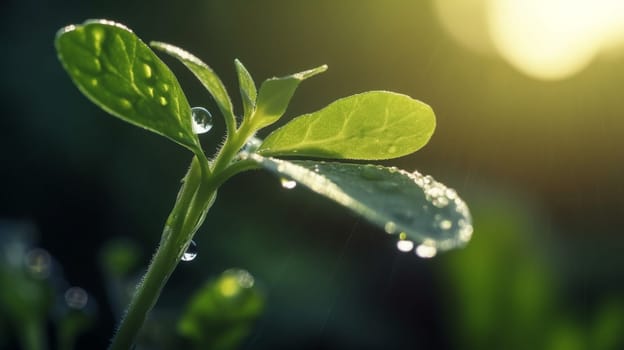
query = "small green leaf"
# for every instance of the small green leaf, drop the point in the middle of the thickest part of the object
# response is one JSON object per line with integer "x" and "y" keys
{"x": 221, "y": 314}
{"x": 371, "y": 125}
{"x": 206, "y": 76}
{"x": 123, "y": 76}
{"x": 247, "y": 89}
{"x": 420, "y": 208}
{"x": 275, "y": 95}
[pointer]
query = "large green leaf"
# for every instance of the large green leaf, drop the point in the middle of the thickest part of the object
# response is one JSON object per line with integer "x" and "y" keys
{"x": 247, "y": 88}
{"x": 371, "y": 125}
{"x": 275, "y": 95}
{"x": 419, "y": 208}
{"x": 122, "y": 75}
{"x": 204, "y": 73}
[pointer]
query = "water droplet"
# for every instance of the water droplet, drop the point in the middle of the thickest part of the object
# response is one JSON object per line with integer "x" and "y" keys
{"x": 446, "y": 224}
{"x": 426, "y": 250}
{"x": 150, "y": 91}
{"x": 287, "y": 183}
{"x": 372, "y": 173}
{"x": 190, "y": 253}
{"x": 405, "y": 245}
{"x": 232, "y": 281}
{"x": 76, "y": 298}
{"x": 162, "y": 100}
{"x": 147, "y": 70}
{"x": 390, "y": 227}
{"x": 164, "y": 87}
{"x": 392, "y": 149}
{"x": 38, "y": 263}
{"x": 202, "y": 120}
{"x": 93, "y": 82}
{"x": 244, "y": 278}
{"x": 252, "y": 145}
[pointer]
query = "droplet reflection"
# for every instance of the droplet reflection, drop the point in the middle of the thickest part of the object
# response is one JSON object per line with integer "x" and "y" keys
{"x": 426, "y": 250}
{"x": 190, "y": 253}
{"x": 202, "y": 120}
{"x": 405, "y": 245}
{"x": 288, "y": 184}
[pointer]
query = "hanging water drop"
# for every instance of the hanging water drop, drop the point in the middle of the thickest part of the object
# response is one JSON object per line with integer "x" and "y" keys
{"x": 190, "y": 253}
{"x": 426, "y": 250}
{"x": 287, "y": 183}
{"x": 405, "y": 245}
{"x": 202, "y": 120}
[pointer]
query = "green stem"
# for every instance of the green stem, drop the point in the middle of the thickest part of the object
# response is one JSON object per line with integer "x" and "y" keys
{"x": 194, "y": 200}
{"x": 175, "y": 239}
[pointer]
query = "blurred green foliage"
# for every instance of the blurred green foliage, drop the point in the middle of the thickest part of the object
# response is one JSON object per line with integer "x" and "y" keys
{"x": 505, "y": 290}
{"x": 222, "y": 313}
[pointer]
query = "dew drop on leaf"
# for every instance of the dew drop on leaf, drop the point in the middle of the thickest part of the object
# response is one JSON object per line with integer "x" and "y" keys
{"x": 202, "y": 120}
{"x": 191, "y": 252}
{"x": 76, "y": 298}
{"x": 288, "y": 184}
{"x": 426, "y": 250}
{"x": 405, "y": 245}
{"x": 252, "y": 145}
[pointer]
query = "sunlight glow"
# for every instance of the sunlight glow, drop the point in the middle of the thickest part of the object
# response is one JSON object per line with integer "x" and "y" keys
{"x": 545, "y": 39}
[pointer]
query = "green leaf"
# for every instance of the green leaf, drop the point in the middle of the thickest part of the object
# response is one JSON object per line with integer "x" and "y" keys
{"x": 123, "y": 76}
{"x": 275, "y": 95}
{"x": 371, "y": 125}
{"x": 420, "y": 208}
{"x": 206, "y": 76}
{"x": 247, "y": 89}
{"x": 221, "y": 314}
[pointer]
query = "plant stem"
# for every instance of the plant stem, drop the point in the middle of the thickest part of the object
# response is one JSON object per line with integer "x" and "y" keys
{"x": 193, "y": 202}
{"x": 175, "y": 239}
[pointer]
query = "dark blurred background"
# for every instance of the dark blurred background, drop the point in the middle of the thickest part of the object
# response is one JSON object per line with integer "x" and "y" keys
{"x": 530, "y": 133}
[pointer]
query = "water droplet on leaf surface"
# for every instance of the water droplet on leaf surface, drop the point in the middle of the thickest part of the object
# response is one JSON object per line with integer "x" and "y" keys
{"x": 202, "y": 120}
{"x": 287, "y": 183}
{"x": 190, "y": 253}
{"x": 252, "y": 145}
{"x": 426, "y": 250}
{"x": 405, "y": 245}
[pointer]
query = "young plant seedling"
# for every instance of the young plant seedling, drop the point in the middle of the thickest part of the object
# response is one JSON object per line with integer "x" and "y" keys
{"x": 121, "y": 74}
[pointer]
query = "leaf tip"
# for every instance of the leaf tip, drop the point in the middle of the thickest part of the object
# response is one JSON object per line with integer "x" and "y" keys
{"x": 310, "y": 72}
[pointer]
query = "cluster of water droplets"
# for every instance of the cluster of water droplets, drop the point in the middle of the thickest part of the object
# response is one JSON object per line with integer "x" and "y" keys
{"x": 201, "y": 120}
{"x": 455, "y": 222}
{"x": 191, "y": 252}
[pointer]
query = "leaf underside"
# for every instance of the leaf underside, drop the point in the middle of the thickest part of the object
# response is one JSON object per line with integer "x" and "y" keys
{"x": 400, "y": 202}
